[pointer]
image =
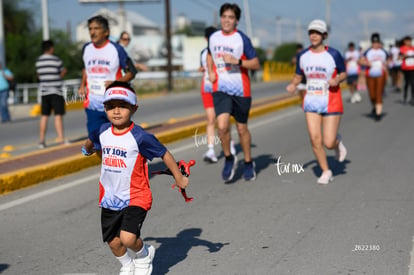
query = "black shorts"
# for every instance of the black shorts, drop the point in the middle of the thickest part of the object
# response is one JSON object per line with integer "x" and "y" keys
{"x": 237, "y": 106}
{"x": 129, "y": 219}
{"x": 352, "y": 79}
{"x": 53, "y": 102}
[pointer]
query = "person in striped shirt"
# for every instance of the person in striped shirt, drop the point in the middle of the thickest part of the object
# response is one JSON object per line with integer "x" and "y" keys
{"x": 50, "y": 72}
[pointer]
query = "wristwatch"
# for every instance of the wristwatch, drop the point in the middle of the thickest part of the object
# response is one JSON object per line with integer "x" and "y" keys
{"x": 240, "y": 62}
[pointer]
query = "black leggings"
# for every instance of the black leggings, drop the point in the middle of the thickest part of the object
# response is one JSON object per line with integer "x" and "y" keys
{"x": 409, "y": 81}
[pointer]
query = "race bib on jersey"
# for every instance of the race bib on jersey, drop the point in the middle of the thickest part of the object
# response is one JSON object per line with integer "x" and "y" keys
{"x": 220, "y": 65}
{"x": 317, "y": 87}
{"x": 409, "y": 61}
{"x": 376, "y": 65}
{"x": 96, "y": 87}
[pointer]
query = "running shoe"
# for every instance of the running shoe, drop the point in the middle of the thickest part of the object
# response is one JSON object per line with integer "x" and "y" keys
{"x": 127, "y": 270}
{"x": 249, "y": 171}
{"x": 143, "y": 266}
{"x": 340, "y": 151}
{"x": 326, "y": 177}
{"x": 210, "y": 156}
{"x": 229, "y": 168}
{"x": 232, "y": 148}
{"x": 353, "y": 99}
{"x": 41, "y": 145}
{"x": 357, "y": 97}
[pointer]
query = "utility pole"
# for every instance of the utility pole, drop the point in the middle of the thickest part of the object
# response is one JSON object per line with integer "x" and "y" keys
{"x": 2, "y": 47}
{"x": 45, "y": 20}
{"x": 328, "y": 14}
{"x": 248, "y": 20}
{"x": 278, "y": 31}
{"x": 168, "y": 44}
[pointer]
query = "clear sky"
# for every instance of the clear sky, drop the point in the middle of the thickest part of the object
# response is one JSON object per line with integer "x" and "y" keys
{"x": 271, "y": 20}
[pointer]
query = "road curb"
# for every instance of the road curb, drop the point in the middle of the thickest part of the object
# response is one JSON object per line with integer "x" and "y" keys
{"x": 29, "y": 176}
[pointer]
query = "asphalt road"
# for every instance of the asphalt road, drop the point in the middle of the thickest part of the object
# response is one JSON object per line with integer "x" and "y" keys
{"x": 282, "y": 223}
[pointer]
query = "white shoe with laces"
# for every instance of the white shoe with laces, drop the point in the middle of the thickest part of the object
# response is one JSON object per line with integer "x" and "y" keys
{"x": 143, "y": 266}
{"x": 340, "y": 151}
{"x": 326, "y": 177}
{"x": 127, "y": 270}
{"x": 210, "y": 156}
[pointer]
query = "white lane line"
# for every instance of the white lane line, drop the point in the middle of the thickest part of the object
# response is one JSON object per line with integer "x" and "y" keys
{"x": 47, "y": 192}
{"x": 50, "y": 191}
{"x": 411, "y": 266}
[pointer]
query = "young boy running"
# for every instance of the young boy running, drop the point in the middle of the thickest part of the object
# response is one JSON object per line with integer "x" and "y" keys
{"x": 125, "y": 195}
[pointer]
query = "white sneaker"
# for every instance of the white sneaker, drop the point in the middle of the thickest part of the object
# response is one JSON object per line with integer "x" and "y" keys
{"x": 353, "y": 99}
{"x": 127, "y": 270}
{"x": 210, "y": 156}
{"x": 357, "y": 97}
{"x": 232, "y": 148}
{"x": 340, "y": 151}
{"x": 143, "y": 266}
{"x": 326, "y": 177}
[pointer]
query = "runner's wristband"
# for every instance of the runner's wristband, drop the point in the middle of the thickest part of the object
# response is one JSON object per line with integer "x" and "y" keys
{"x": 86, "y": 153}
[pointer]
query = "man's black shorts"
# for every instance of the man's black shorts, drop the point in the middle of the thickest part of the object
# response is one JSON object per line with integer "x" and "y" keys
{"x": 129, "y": 219}
{"x": 53, "y": 102}
{"x": 237, "y": 106}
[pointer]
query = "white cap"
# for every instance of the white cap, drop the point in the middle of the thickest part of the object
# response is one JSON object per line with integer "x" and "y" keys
{"x": 318, "y": 25}
{"x": 120, "y": 93}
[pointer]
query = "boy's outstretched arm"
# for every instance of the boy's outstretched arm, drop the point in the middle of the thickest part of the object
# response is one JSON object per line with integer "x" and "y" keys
{"x": 180, "y": 180}
{"x": 88, "y": 149}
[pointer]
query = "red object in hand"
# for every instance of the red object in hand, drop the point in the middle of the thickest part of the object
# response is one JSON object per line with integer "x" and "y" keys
{"x": 185, "y": 170}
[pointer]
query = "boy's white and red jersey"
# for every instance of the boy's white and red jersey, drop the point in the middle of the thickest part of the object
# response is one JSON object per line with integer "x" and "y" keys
{"x": 319, "y": 68}
{"x": 124, "y": 179}
{"x": 231, "y": 78}
{"x": 351, "y": 62}
{"x": 101, "y": 64}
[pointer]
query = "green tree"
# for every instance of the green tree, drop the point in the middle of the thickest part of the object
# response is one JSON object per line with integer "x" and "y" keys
{"x": 261, "y": 54}
{"x": 285, "y": 52}
{"x": 23, "y": 44}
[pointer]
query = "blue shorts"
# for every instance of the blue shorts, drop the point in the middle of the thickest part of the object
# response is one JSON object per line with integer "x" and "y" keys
{"x": 94, "y": 119}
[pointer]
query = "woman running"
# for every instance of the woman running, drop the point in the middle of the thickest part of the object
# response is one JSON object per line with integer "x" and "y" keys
{"x": 324, "y": 69}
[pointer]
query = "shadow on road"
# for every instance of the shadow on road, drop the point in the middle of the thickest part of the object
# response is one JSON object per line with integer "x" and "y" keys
{"x": 3, "y": 267}
{"x": 173, "y": 250}
{"x": 338, "y": 168}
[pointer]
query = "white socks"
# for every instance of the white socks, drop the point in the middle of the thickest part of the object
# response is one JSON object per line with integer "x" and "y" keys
{"x": 125, "y": 260}
{"x": 143, "y": 252}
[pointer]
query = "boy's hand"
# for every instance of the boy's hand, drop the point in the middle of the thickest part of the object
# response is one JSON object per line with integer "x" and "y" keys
{"x": 182, "y": 182}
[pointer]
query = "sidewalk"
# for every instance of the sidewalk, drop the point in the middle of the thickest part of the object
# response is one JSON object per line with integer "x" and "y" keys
{"x": 32, "y": 168}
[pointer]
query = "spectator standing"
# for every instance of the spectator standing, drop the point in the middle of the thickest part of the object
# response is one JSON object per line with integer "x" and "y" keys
{"x": 324, "y": 68}
{"x": 50, "y": 72}
{"x": 231, "y": 56}
{"x": 104, "y": 62}
{"x": 125, "y": 194}
{"x": 124, "y": 41}
{"x": 6, "y": 76}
